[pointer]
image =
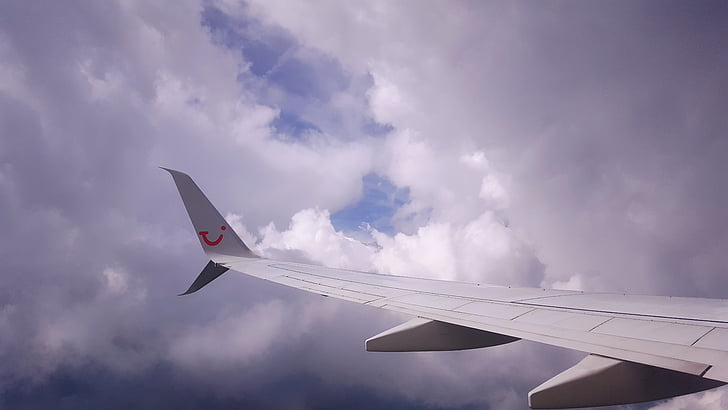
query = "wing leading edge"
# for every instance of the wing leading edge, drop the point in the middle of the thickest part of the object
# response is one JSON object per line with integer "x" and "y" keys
{"x": 642, "y": 348}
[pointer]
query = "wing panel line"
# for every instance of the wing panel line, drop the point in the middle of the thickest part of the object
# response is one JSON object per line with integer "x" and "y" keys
{"x": 686, "y": 366}
{"x": 519, "y": 302}
{"x": 701, "y": 337}
{"x": 610, "y": 312}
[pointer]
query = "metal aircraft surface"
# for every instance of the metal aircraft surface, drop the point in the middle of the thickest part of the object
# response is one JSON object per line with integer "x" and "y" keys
{"x": 641, "y": 348}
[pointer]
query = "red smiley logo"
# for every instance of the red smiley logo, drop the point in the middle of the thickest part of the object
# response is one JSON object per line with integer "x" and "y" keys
{"x": 209, "y": 242}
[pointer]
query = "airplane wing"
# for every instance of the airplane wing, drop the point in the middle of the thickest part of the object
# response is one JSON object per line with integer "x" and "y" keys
{"x": 641, "y": 348}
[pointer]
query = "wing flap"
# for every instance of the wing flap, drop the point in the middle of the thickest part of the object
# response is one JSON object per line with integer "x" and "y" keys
{"x": 495, "y": 310}
{"x": 563, "y": 320}
{"x": 715, "y": 339}
{"x": 658, "y": 331}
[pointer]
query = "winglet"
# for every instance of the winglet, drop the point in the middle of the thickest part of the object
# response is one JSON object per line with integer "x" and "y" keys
{"x": 216, "y": 236}
{"x": 210, "y": 273}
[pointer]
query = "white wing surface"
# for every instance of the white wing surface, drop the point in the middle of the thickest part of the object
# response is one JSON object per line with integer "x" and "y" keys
{"x": 641, "y": 348}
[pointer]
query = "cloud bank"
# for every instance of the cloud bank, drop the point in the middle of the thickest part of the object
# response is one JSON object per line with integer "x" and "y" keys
{"x": 579, "y": 146}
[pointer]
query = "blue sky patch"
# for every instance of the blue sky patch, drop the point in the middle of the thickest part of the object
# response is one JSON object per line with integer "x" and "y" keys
{"x": 375, "y": 129}
{"x": 292, "y": 125}
{"x": 298, "y": 81}
{"x": 312, "y": 76}
{"x": 380, "y": 201}
{"x": 276, "y": 57}
{"x": 262, "y": 47}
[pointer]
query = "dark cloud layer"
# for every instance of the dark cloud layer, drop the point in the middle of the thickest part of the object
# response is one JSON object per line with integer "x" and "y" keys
{"x": 608, "y": 120}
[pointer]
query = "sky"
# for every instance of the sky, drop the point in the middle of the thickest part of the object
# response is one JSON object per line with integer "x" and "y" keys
{"x": 575, "y": 145}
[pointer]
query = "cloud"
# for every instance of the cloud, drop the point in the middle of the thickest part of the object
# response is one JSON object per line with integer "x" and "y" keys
{"x": 597, "y": 145}
{"x": 311, "y": 232}
{"x": 538, "y": 144}
{"x": 713, "y": 399}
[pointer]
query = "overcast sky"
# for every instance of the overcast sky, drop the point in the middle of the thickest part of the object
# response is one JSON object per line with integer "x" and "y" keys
{"x": 578, "y": 145}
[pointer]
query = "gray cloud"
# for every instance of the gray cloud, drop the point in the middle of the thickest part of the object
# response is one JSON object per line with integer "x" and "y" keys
{"x": 604, "y": 126}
